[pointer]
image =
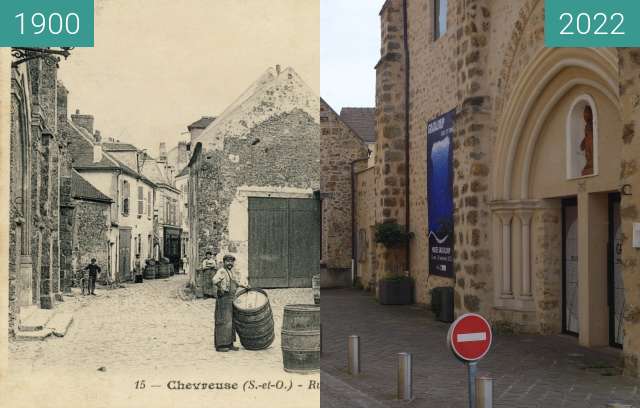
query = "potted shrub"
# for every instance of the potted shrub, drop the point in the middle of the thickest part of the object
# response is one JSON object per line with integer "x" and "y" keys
{"x": 395, "y": 288}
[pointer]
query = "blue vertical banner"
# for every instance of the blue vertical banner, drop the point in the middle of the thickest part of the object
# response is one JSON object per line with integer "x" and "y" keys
{"x": 440, "y": 193}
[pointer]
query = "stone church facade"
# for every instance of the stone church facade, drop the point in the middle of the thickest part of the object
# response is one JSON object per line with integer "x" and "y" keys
{"x": 40, "y": 203}
{"x": 545, "y": 167}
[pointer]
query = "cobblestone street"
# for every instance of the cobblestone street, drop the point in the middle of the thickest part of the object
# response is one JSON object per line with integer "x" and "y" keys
{"x": 529, "y": 371}
{"x": 147, "y": 325}
{"x": 151, "y": 328}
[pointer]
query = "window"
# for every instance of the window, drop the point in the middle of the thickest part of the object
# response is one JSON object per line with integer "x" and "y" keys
{"x": 125, "y": 197}
{"x": 140, "y": 200}
{"x": 149, "y": 204}
{"x": 439, "y": 18}
{"x": 150, "y": 243}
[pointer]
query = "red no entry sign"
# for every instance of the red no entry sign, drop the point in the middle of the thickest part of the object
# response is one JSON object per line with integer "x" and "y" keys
{"x": 470, "y": 337}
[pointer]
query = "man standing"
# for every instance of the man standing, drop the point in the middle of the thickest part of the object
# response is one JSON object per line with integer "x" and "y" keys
{"x": 209, "y": 261}
{"x": 226, "y": 286}
{"x": 94, "y": 270}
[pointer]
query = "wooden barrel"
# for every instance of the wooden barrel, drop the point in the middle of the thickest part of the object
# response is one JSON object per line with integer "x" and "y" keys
{"x": 252, "y": 319}
{"x": 315, "y": 285}
{"x": 163, "y": 271}
{"x": 150, "y": 271}
{"x": 301, "y": 338}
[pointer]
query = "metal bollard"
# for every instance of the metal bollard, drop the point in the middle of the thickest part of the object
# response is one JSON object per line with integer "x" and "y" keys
{"x": 405, "y": 377}
{"x": 353, "y": 355}
{"x": 484, "y": 392}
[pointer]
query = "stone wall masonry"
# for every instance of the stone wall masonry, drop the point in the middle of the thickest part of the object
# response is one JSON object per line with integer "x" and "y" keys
{"x": 91, "y": 233}
{"x": 471, "y": 161}
{"x": 629, "y": 65}
{"x": 390, "y": 166}
{"x": 282, "y": 151}
{"x": 339, "y": 148}
{"x": 366, "y": 271}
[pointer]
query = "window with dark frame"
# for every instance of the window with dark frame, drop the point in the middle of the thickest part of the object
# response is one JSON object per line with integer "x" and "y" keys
{"x": 439, "y": 18}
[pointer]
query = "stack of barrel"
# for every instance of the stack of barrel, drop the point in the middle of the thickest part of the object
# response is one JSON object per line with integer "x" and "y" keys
{"x": 252, "y": 319}
{"x": 150, "y": 269}
{"x": 301, "y": 338}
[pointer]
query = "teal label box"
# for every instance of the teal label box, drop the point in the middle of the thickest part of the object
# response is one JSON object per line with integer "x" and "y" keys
{"x": 592, "y": 23}
{"x": 46, "y": 23}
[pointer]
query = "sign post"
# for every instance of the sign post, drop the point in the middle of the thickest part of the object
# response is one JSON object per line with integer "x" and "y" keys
{"x": 469, "y": 338}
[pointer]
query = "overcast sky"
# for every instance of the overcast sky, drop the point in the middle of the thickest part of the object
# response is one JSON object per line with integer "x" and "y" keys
{"x": 159, "y": 65}
{"x": 349, "y": 49}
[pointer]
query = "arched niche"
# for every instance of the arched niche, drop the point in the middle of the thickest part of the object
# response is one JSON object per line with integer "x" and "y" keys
{"x": 582, "y": 138}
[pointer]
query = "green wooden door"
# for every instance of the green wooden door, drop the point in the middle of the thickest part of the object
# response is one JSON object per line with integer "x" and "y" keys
{"x": 284, "y": 242}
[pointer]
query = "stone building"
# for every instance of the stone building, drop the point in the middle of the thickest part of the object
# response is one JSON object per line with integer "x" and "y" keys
{"x": 167, "y": 206}
{"x": 363, "y": 122}
{"x": 543, "y": 161}
{"x": 40, "y": 201}
{"x": 252, "y": 178}
{"x": 91, "y": 224}
{"x": 342, "y": 154}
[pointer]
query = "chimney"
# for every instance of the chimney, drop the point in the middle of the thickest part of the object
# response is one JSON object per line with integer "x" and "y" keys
{"x": 278, "y": 70}
{"x": 97, "y": 136}
{"x": 163, "y": 151}
{"x": 97, "y": 153}
{"x": 84, "y": 121}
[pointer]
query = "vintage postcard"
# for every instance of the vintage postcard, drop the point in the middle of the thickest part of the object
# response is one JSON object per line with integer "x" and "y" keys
{"x": 161, "y": 209}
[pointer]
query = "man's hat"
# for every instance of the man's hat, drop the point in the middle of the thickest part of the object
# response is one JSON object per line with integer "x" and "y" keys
{"x": 228, "y": 258}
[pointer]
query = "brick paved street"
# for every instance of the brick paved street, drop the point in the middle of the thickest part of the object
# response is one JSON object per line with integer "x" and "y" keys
{"x": 530, "y": 371}
{"x": 148, "y": 328}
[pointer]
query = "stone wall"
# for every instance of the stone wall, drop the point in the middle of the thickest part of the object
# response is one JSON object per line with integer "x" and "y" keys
{"x": 629, "y": 63}
{"x": 391, "y": 165}
{"x": 340, "y": 149}
{"x": 91, "y": 233}
{"x": 38, "y": 157}
{"x": 279, "y": 153}
{"x": 366, "y": 268}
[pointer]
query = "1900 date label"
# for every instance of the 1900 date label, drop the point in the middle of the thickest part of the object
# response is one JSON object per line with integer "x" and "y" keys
{"x": 47, "y": 23}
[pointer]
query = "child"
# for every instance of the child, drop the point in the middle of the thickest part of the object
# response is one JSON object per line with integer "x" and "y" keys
{"x": 94, "y": 270}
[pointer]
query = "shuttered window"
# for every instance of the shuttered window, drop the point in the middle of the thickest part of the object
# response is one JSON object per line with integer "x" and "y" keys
{"x": 149, "y": 204}
{"x": 126, "y": 192}
{"x": 140, "y": 200}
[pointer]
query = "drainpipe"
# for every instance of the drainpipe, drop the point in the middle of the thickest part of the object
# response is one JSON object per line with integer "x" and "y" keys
{"x": 354, "y": 263}
{"x": 405, "y": 26}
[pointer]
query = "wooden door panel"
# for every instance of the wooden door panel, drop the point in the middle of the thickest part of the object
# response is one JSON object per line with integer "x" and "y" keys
{"x": 125, "y": 255}
{"x": 268, "y": 236}
{"x": 304, "y": 243}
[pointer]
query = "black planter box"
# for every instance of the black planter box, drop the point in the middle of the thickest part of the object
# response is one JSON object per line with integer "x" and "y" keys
{"x": 395, "y": 292}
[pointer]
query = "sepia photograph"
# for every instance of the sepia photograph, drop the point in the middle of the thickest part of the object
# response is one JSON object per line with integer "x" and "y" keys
{"x": 164, "y": 216}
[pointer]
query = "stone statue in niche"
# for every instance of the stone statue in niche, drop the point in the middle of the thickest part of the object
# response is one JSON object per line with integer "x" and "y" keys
{"x": 587, "y": 142}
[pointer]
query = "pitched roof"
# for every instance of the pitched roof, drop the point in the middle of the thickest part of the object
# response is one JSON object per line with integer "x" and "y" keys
{"x": 362, "y": 121}
{"x": 81, "y": 189}
{"x": 82, "y": 150}
{"x": 272, "y": 94}
{"x": 82, "y": 154}
{"x": 202, "y": 123}
{"x": 119, "y": 147}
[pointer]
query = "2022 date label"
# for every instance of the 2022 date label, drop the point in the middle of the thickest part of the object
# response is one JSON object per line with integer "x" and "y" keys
{"x": 592, "y": 23}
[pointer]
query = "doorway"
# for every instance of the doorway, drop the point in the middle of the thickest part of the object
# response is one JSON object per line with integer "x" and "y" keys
{"x": 284, "y": 242}
{"x": 615, "y": 281}
{"x": 570, "y": 281}
{"x": 124, "y": 258}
